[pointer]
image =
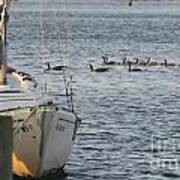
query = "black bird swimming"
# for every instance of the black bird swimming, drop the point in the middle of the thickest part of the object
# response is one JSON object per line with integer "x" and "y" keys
{"x": 152, "y": 63}
{"x": 142, "y": 62}
{"x": 100, "y": 69}
{"x": 148, "y": 59}
{"x": 125, "y": 62}
{"x": 107, "y": 62}
{"x": 134, "y": 69}
{"x": 169, "y": 64}
{"x": 130, "y": 3}
{"x": 134, "y": 62}
{"x": 55, "y": 68}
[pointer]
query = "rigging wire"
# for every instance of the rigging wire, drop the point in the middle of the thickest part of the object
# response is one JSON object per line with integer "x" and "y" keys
{"x": 62, "y": 46}
{"x": 43, "y": 47}
{"x": 65, "y": 75}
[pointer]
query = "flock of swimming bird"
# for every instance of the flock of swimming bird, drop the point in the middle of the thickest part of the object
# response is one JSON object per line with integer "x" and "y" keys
{"x": 26, "y": 79}
{"x": 137, "y": 62}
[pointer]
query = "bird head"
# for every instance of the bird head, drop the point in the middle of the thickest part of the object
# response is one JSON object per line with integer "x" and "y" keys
{"x": 91, "y": 67}
{"x": 47, "y": 64}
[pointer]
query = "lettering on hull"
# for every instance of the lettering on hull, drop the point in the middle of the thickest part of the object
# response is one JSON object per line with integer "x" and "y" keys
{"x": 19, "y": 126}
{"x": 59, "y": 126}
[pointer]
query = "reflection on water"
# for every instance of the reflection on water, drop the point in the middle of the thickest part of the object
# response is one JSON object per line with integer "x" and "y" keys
{"x": 121, "y": 111}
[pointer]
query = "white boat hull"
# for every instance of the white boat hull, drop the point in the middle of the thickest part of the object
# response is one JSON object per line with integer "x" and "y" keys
{"x": 43, "y": 139}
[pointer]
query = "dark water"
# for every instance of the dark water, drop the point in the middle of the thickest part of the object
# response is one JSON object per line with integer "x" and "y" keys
{"x": 130, "y": 127}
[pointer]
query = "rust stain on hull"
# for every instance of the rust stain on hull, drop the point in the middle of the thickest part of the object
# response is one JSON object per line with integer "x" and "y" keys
{"x": 19, "y": 167}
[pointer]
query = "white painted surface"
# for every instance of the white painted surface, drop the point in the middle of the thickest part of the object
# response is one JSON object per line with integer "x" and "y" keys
{"x": 27, "y": 84}
{"x": 11, "y": 98}
{"x": 59, "y": 141}
{"x": 43, "y": 135}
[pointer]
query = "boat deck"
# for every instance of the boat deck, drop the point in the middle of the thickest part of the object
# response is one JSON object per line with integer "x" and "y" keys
{"x": 12, "y": 98}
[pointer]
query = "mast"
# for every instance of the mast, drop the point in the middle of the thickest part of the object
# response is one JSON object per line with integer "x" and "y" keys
{"x": 3, "y": 26}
